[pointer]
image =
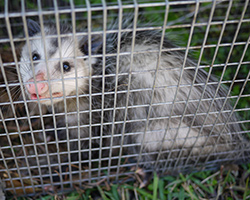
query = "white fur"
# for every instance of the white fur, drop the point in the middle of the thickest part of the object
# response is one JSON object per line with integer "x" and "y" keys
{"x": 67, "y": 54}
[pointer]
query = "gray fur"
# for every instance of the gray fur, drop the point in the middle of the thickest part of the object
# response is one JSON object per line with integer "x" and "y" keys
{"x": 218, "y": 139}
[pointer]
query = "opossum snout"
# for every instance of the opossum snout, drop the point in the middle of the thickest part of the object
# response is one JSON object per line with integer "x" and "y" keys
{"x": 42, "y": 87}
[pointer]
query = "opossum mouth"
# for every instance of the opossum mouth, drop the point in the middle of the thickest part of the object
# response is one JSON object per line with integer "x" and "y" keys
{"x": 55, "y": 94}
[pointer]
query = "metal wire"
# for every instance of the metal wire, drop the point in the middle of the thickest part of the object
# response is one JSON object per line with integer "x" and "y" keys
{"x": 31, "y": 156}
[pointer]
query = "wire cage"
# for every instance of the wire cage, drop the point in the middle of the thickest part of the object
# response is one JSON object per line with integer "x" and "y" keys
{"x": 165, "y": 87}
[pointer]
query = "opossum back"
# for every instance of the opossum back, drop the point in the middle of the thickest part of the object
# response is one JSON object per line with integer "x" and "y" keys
{"x": 170, "y": 106}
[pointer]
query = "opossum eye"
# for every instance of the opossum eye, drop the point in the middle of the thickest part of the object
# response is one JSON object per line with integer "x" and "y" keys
{"x": 35, "y": 56}
{"x": 66, "y": 66}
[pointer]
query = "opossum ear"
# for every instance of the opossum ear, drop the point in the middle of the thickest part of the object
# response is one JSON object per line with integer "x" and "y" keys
{"x": 33, "y": 27}
{"x": 96, "y": 44}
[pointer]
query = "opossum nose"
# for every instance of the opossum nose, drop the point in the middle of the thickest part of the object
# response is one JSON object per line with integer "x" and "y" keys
{"x": 41, "y": 87}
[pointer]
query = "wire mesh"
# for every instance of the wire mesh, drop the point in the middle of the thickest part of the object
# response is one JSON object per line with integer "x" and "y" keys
{"x": 130, "y": 52}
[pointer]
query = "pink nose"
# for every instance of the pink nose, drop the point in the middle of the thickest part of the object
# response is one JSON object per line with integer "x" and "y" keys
{"x": 41, "y": 87}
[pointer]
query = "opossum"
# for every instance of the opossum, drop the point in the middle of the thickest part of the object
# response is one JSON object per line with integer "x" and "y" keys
{"x": 155, "y": 103}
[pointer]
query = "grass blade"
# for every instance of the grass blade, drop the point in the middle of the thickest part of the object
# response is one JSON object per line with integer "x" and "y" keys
{"x": 104, "y": 197}
{"x": 155, "y": 186}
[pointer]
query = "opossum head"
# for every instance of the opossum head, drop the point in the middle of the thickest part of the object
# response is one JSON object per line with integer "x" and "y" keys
{"x": 52, "y": 64}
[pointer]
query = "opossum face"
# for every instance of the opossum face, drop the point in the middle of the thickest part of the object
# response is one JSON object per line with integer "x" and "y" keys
{"x": 49, "y": 74}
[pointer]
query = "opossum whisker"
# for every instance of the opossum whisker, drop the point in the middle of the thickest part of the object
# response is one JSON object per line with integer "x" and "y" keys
{"x": 26, "y": 67}
{"x": 9, "y": 68}
{"x": 9, "y": 82}
{"x": 14, "y": 96}
{"x": 11, "y": 89}
{"x": 14, "y": 88}
{"x": 17, "y": 92}
{"x": 65, "y": 53}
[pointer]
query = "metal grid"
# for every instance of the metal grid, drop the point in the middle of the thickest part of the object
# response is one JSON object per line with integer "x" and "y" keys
{"x": 33, "y": 156}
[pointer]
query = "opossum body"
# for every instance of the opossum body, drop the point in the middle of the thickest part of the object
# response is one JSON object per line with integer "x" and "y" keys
{"x": 167, "y": 108}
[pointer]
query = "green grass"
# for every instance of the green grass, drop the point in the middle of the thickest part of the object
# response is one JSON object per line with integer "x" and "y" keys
{"x": 229, "y": 182}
